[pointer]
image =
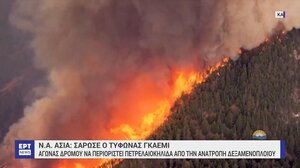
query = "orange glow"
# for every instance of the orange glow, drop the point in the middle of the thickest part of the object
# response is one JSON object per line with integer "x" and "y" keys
{"x": 183, "y": 84}
{"x": 142, "y": 108}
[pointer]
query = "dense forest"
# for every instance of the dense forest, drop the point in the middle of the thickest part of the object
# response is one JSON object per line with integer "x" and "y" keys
{"x": 259, "y": 90}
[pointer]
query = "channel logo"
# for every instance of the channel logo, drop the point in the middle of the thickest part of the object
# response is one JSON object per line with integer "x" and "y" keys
{"x": 279, "y": 14}
{"x": 24, "y": 149}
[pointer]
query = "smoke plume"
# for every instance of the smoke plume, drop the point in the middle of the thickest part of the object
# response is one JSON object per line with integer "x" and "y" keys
{"x": 104, "y": 56}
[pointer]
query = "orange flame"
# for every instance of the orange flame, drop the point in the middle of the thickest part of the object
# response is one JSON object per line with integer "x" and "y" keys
{"x": 156, "y": 110}
{"x": 185, "y": 80}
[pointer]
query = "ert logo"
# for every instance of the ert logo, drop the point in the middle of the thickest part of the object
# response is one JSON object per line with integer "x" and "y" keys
{"x": 24, "y": 149}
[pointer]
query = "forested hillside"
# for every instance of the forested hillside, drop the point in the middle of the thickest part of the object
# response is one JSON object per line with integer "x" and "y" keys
{"x": 260, "y": 90}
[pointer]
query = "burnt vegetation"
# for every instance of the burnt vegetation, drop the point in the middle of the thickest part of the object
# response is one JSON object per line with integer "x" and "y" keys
{"x": 260, "y": 90}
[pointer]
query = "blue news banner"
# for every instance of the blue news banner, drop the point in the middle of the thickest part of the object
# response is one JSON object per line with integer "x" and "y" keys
{"x": 24, "y": 149}
{"x": 145, "y": 149}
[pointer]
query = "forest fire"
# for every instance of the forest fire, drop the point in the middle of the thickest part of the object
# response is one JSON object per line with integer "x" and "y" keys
{"x": 183, "y": 82}
{"x": 111, "y": 70}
